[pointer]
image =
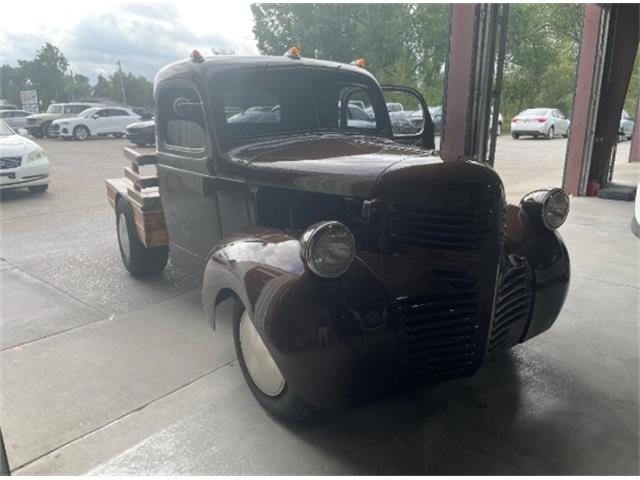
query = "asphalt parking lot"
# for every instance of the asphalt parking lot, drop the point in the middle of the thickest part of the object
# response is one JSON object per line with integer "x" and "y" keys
{"x": 104, "y": 373}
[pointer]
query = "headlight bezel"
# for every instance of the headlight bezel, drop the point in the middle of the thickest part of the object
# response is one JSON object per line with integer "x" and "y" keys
{"x": 35, "y": 155}
{"x": 310, "y": 241}
{"x": 537, "y": 204}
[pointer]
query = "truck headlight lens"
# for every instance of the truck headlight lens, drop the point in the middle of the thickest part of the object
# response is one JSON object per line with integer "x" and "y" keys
{"x": 555, "y": 209}
{"x": 328, "y": 249}
{"x": 34, "y": 155}
{"x": 547, "y": 208}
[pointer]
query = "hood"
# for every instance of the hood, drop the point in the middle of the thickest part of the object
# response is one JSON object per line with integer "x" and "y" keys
{"x": 15, "y": 145}
{"x": 141, "y": 125}
{"x": 332, "y": 164}
{"x": 44, "y": 116}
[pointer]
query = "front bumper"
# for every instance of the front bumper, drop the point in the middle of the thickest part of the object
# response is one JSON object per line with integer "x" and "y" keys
{"x": 26, "y": 175}
{"x": 143, "y": 136}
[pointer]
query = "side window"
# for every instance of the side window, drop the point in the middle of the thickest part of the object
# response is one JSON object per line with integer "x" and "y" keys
{"x": 359, "y": 110}
{"x": 116, "y": 112}
{"x": 103, "y": 113}
{"x": 181, "y": 119}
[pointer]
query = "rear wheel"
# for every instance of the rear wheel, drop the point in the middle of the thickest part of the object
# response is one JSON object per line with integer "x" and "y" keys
{"x": 47, "y": 130}
{"x": 515, "y": 136}
{"x": 550, "y": 133}
{"x": 81, "y": 132}
{"x": 261, "y": 373}
{"x": 138, "y": 259}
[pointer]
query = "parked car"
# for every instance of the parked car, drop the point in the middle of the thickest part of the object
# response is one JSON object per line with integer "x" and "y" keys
{"x": 8, "y": 106}
{"x": 627, "y": 123}
{"x": 143, "y": 113}
{"x": 23, "y": 163}
{"x": 540, "y": 122}
{"x": 96, "y": 121}
{"x": 394, "y": 107}
{"x": 15, "y": 118}
{"x": 39, "y": 124}
{"x": 358, "y": 118}
{"x": 359, "y": 263}
{"x": 436, "y": 117}
{"x": 142, "y": 133}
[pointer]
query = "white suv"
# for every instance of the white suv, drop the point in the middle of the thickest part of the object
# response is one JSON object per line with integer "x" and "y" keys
{"x": 96, "y": 121}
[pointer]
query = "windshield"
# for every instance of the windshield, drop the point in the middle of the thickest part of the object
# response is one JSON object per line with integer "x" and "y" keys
{"x": 535, "y": 111}
{"x": 55, "y": 108}
{"x": 285, "y": 102}
{"x": 5, "y": 130}
{"x": 88, "y": 112}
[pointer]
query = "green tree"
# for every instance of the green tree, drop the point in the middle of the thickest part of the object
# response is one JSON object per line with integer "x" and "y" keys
{"x": 46, "y": 74}
{"x": 77, "y": 87}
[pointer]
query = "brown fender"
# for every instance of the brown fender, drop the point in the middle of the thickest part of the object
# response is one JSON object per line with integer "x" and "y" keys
{"x": 329, "y": 337}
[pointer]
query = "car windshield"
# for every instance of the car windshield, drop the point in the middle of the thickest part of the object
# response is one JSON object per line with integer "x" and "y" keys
{"x": 5, "y": 130}
{"x": 284, "y": 102}
{"x": 535, "y": 111}
{"x": 88, "y": 112}
{"x": 55, "y": 108}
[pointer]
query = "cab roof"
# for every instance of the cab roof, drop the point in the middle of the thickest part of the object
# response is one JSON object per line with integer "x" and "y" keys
{"x": 214, "y": 65}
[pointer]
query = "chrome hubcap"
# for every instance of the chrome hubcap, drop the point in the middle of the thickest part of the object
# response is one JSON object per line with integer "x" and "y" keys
{"x": 82, "y": 134}
{"x": 123, "y": 236}
{"x": 260, "y": 364}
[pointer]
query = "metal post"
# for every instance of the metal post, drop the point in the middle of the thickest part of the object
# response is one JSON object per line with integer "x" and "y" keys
{"x": 124, "y": 94}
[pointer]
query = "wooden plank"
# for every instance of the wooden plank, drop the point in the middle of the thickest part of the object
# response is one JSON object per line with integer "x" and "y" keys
{"x": 115, "y": 186}
{"x": 139, "y": 180}
{"x": 147, "y": 200}
{"x": 138, "y": 158}
{"x": 152, "y": 220}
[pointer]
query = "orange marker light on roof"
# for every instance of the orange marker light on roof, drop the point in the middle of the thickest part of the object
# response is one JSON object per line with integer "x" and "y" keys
{"x": 293, "y": 52}
{"x": 196, "y": 56}
{"x": 360, "y": 63}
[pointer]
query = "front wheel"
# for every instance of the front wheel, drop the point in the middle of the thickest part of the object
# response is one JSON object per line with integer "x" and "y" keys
{"x": 515, "y": 136}
{"x": 81, "y": 132}
{"x": 48, "y": 131}
{"x": 138, "y": 259}
{"x": 261, "y": 373}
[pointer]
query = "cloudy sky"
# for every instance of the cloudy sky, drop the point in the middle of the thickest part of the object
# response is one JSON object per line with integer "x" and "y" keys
{"x": 145, "y": 36}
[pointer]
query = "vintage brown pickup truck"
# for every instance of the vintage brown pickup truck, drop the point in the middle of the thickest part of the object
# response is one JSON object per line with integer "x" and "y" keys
{"x": 360, "y": 263}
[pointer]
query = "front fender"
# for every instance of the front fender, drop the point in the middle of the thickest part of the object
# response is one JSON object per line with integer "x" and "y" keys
{"x": 548, "y": 258}
{"x": 329, "y": 337}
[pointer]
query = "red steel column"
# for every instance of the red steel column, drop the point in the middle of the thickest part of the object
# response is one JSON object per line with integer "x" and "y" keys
{"x": 634, "y": 152}
{"x": 460, "y": 64}
{"x": 578, "y": 157}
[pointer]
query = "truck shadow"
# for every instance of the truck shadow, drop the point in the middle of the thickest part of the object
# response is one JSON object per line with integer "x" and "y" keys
{"x": 468, "y": 426}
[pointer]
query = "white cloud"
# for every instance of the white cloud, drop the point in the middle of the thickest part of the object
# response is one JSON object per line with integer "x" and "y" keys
{"x": 145, "y": 36}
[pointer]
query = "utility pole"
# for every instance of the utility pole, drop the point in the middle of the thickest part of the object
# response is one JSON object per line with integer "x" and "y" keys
{"x": 124, "y": 94}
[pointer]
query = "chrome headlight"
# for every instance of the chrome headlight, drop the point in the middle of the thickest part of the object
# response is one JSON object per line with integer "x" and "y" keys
{"x": 328, "y": 249}
{"x": 34, "y": 155}
{"x": 548, "y": 207}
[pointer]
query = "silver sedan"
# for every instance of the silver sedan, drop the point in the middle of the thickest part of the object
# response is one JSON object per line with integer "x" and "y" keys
{"x": 540, "y": 122}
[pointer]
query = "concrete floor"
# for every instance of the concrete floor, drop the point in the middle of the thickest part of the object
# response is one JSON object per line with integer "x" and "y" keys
{"x": 104, "y": 374}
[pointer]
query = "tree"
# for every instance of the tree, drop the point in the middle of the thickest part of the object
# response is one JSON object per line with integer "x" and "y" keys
{"x": 46, "y": 74}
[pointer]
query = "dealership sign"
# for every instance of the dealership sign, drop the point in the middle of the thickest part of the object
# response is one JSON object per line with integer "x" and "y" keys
{"x": 29, "y": 99}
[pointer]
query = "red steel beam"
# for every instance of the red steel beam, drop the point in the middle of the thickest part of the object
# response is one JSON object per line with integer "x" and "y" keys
{"x": 587, "y": 83}
{"x": 460, "y": 64}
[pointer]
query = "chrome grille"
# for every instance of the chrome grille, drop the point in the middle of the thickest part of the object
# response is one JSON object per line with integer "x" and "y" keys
{"x": 10, "y": 162}
{"x": 438, "y": 228}
{"x": 439, "y": 330}
{"x": 513, "y": 303}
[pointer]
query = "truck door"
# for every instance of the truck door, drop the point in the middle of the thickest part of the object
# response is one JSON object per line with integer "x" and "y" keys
{"x": 186, "y": 175}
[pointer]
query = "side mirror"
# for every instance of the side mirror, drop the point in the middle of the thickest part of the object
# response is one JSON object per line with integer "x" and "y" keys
{"x": 95, "y": 116}
{"x": 412, "y": 124}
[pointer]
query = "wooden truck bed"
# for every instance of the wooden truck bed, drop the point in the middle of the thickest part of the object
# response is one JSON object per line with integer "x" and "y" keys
{"x": 143, "y": 196}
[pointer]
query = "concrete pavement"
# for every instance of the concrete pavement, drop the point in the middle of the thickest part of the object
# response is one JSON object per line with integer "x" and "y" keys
{"x": 94, "y": 382}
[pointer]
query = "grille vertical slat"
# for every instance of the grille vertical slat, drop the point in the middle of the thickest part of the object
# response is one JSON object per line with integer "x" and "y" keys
{"x": 513, "y": 303}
